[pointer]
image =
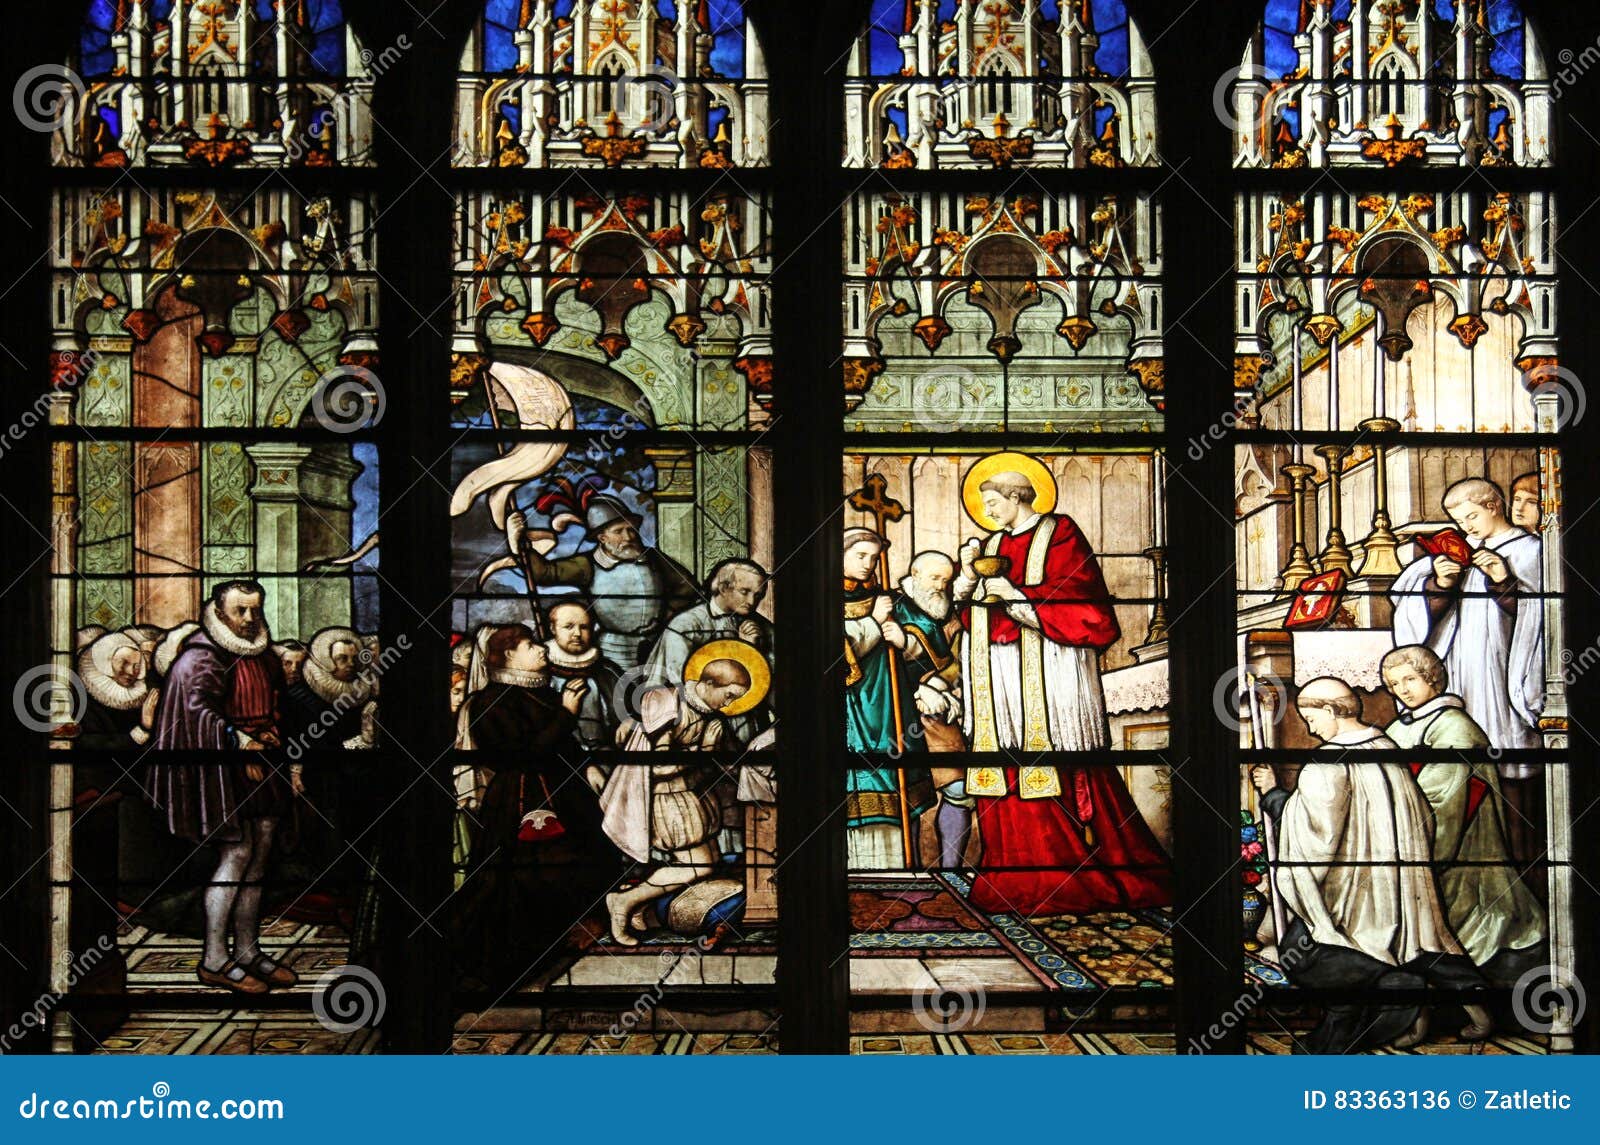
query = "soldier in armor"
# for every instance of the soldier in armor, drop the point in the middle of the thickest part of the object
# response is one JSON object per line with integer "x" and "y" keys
{"x": 631, "y": 588}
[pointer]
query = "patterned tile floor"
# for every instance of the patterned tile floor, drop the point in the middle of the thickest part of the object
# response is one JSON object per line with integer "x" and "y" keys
{"x": 162, "y": 962}
{"x": 996, "y": 1044}
{"x": 158, "y": 962}
{"x": 536, "y": 1042}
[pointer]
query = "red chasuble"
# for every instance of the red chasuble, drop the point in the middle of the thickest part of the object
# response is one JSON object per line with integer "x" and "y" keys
{"x": 1038, "y": 858}
{"x": 1073, "y": 603}
{"x": 1050, "y": 855}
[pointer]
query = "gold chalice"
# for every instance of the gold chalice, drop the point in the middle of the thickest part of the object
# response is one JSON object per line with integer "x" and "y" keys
{"x": 992, "y": 566}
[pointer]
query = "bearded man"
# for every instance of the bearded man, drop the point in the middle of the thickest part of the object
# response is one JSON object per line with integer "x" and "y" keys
{"x": 223, "y": 696}
{"x": 573, "y": 655}
{"x": 631, "y": 588}
{"x": 925, "y": 611}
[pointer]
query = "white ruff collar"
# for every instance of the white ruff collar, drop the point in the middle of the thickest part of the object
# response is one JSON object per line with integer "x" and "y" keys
{"x": 106, "y": 692}
{"x": 518, "y": 678}
{"x": 223, "y": 636}
{"x": 560, "y": 658}
{"x": 330, "y": 688}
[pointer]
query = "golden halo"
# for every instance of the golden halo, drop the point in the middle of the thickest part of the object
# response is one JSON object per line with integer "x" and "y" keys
{"x": 746, "y": 654}
{"x": 1044, "y": 485}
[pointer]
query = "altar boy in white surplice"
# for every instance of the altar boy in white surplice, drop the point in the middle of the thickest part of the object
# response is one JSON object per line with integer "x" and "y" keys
{"x": 1353, "y": 868}
{"x": 1484, "y": 620}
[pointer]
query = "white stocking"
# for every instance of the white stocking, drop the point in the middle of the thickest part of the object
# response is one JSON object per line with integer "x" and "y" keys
{"x": 247, "y": 910}
{"x": 220, "y": 896}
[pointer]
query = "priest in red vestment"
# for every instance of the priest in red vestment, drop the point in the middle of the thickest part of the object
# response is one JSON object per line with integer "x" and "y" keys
{"x": 1056, "y": 839}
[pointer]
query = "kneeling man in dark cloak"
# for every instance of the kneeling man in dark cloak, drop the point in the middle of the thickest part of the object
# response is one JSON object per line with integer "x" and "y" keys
{"x": 541, "y": 861}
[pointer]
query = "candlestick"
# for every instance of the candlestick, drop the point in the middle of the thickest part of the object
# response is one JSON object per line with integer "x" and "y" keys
{"x": 1379, "y": 557}
{"x": 1335, "y": 553}
{"x": 1299, "y": 566}
{"x": 1158, "y": 613}
{"x": 1333, "y": 382}
{"x": 1379, "y": 399}
{"x": 1158, "y": 498}
{"x": 1299, "y": 395}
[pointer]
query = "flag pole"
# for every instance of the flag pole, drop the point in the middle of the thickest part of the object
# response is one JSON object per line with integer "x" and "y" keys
{"x": 522, "y": 560}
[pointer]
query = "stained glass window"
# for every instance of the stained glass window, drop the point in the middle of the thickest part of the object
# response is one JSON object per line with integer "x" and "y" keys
{"x": 626, "y": 83}
{"x": 214, "y": 584}
{"x": 905, "y": 310}
{"x": 1003, "y": 601}
{"x": 612, "y": 528}
{"x": 946, "y": 84}
{"x": 219, "y": 83}
{"x": 1399, "y": 521}
{"x": 1434, "y": 83}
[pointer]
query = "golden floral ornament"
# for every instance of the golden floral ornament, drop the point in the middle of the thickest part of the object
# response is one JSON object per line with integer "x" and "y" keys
{"x": 686, "y": 328}
{"x": 1322, "y": 328}
{"x": 932, "y": 330}
{"x": 540, "y": 327}
{"x": 1468, "y": 328}
{"x": 1077, "y": 329}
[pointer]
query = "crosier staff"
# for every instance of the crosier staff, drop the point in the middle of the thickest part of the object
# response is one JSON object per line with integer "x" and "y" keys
{"x": 874, "y": 500}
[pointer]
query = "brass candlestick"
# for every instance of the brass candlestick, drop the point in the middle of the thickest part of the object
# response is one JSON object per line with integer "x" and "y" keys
{"x": 1158, "y": 614}
{"x": 1379, "y": 548}
{"x": 1335, "y": 553}
{"x": 1299, "y": 566}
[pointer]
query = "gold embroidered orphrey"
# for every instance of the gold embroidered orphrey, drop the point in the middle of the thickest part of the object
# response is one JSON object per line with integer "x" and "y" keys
{"x": 1032, "y": 782}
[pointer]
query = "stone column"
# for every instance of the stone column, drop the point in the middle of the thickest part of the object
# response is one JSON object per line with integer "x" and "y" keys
{"x": 301, "y": 498}
{"x": 675, "y": 499}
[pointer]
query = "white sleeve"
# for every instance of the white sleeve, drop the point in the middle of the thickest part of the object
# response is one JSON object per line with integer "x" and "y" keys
{"x": 864, "y": 634}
